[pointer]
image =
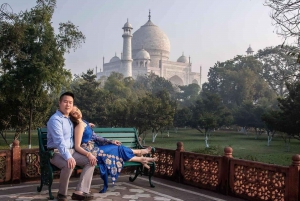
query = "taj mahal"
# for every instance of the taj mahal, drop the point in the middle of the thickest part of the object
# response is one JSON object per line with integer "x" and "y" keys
{"x": 147, "y": 51}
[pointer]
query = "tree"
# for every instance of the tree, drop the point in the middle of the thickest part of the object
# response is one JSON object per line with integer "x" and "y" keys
{"x": 182, "y": 117}
{"x": 286, "y": 119}
{"x": 249, "y": 115}
{"x": 270, "y": 118}
{"x": 87, "y": 94}
{"x": 32, "y": 58}
{"x": 165, "y": 113}
{"x": 209, "y": 113}
{"x": 188, "y": 94}
{"x": 278, "y": 67}
{"x": 286, "y": 16}
{"x": 116, "y": 85}
{"x": 154, "y": 84}
{"x": 238, "y": 80}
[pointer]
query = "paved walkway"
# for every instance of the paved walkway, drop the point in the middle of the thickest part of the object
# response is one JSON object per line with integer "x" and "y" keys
{"x": 139, "y": 190}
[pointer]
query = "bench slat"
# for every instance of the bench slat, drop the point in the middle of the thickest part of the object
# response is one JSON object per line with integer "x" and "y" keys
{"x": 116, "y": 130}
{"x": 130, "y": 144}
{"x": 109, "y": 135}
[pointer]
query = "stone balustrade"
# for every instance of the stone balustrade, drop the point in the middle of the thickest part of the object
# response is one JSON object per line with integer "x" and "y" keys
{"x": 223, "y": 174}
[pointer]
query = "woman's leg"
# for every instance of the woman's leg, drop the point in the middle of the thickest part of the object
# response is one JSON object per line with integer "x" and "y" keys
{"x": 143, "y": 160}
{"x": 140, "y": 152}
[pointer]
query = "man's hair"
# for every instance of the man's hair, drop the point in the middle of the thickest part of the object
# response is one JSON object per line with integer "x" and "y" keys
{"x": 68, "y": 93}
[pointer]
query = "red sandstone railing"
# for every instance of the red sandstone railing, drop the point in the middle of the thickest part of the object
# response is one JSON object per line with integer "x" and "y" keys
{"x": 223, "y": 174}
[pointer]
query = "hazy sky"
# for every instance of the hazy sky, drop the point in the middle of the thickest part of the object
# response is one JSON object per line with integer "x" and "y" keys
{"x": 206, "y": 30}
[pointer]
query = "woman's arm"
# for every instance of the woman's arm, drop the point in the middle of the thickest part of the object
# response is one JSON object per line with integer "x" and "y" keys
{"x": 100, "y": 141}
{"x": 78, "y": 138}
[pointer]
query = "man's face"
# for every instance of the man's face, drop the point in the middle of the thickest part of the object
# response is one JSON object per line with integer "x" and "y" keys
{"x": 66, "y": 104}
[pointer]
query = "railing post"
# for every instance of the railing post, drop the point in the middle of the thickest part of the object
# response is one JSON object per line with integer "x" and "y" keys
{"x": 225, "y": 170}
{"x": 293, "y": 179}
{"x": 177, "y": 162}
{"x": 16, "y": 161}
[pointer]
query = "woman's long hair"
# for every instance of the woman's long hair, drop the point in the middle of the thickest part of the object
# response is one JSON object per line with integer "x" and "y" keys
{"x": 73, "y": 119}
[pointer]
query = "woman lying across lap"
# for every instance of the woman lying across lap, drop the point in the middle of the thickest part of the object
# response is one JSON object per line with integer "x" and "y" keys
{"x": 110, "y": 155}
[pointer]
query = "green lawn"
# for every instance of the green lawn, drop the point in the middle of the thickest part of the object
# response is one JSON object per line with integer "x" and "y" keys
{"x": 244, "y": 146}
{"x": 23, "y": 140}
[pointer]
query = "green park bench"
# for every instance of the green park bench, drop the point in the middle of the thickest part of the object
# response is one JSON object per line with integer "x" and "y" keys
{"x": 127, "y": 136}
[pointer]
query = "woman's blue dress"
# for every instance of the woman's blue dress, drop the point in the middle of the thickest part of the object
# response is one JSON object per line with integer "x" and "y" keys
{"x": 110, "y": 156}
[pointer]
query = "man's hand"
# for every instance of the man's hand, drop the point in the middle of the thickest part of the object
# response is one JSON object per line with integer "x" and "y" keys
{"x": 71, "y": 163}
{"x": 116, "y": 142}
{"x": 92, "y": 125}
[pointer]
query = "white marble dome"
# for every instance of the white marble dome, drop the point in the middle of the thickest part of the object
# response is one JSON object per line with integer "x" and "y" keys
{"x": 114, "y": 59}
{"x": 142, "y": 55}
{"x": 151, "y": 38}
{"x": 183, "y": 59}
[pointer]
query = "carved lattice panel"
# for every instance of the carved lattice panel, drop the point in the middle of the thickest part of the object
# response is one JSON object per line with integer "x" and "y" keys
{"x": 164, "y": 165}
{"x": 2, "y": 168}
{"x": 31, "y": 163}
{"x": 259, "y": 183}
{"x": 201, "y": 170}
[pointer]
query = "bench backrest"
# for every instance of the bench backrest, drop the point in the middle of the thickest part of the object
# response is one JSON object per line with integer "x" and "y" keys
{"x": 42, "y": 135}
{"x": 128, "y": 136}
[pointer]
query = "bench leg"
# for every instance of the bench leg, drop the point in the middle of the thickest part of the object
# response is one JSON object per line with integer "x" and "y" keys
{"x": 137, "y": 172}
{"x": 151, "y": 173}
{"x": 39, "y": 188}
{"x": 51, "y": 197}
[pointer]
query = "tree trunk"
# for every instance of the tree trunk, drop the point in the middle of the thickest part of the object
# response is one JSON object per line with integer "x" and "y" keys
{"x": 269, "y": 138}
{"x": 154, "y": 136}
{"x": 206, "y": 139}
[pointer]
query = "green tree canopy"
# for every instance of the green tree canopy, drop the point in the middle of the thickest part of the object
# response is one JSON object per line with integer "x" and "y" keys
{"x": 32, "y": 58}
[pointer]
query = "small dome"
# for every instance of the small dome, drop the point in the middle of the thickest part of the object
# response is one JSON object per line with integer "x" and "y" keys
{"x": 249, "y": 49}
{"x": 142, "y": 55}
{"x": 183, "y": 59}
{"x": 127, "y": 25}
{"x": 114, "y": 59}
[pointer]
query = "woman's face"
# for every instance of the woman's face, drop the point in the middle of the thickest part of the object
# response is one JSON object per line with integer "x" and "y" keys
{"x": 76, "y": 113}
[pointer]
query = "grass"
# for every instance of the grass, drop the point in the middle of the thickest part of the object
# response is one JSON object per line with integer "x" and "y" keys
{"x": 244, "y": 146}
{"x": 23, "y": 139}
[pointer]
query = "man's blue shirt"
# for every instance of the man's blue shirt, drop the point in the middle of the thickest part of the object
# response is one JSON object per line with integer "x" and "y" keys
{"x": 60, "y": 134}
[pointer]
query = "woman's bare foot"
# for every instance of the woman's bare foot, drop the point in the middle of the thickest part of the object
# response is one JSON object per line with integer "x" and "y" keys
{"x": 145, "y": 151}
{"x": 147, "y": 160}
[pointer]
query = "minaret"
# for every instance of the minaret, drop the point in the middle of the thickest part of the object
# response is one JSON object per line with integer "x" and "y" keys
{"x": 200, "y": 78}
{"x": 126, "y": 58}
{"x": 189, "y": 71}
{"x": 249, "y": 51}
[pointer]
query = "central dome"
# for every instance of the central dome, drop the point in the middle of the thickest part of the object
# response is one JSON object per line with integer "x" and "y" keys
{"x": 152, "y": 39}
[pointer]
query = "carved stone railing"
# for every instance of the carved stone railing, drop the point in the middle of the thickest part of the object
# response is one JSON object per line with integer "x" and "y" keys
{"x": 201, "y": 170}
{"x": 5, "y": 166}
{"x": 165, "y": 164}
{"x": 30, "y": 164}
{"x": 223, "y": 174}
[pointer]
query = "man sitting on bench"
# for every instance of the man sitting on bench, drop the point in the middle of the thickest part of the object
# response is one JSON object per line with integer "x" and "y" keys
{"x": 60, "y": 139}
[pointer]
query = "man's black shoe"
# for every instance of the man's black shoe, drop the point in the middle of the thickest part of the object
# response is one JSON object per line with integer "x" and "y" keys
{"x": 84, "y": 196}
{"x": 61, "y": 197}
